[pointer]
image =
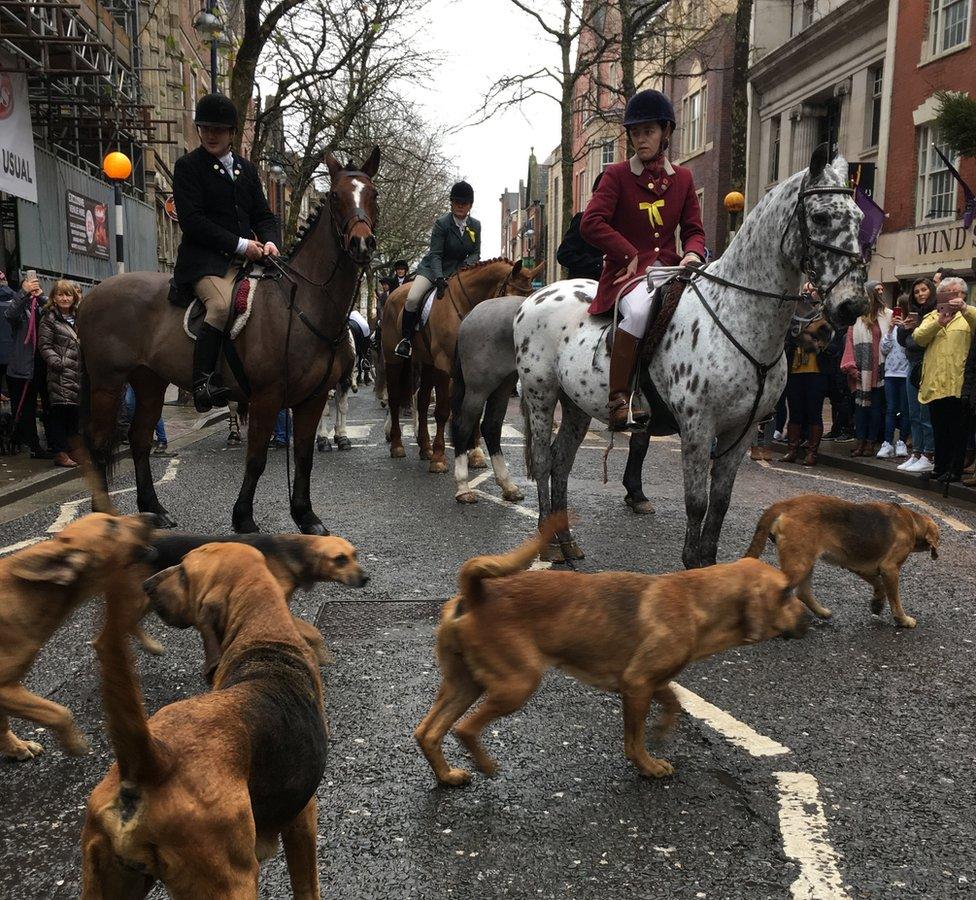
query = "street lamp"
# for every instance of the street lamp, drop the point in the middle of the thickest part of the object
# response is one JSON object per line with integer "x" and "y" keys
{"x": 117, "y": 168}
{"x": 734, "y": 204}
{"x": 209, "y": 28}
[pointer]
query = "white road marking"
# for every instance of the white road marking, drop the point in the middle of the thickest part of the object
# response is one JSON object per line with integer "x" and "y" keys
{"x": 170, "y": 473}
{"x": 508, "y": 431}
{"x": 951, "y": 521}
{"x": 524, "y": 510}
{"x": 804, "y": 827}
{"x": 13, "y": 548}
{"x": 734, "y": 731}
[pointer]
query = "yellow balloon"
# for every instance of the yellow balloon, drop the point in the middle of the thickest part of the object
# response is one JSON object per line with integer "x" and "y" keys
{"x": 117, "y": 166}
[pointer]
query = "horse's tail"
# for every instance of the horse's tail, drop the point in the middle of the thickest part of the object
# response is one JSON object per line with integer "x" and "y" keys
{"x": 475, "y": 570}
{"x": 527, "y": 431}
{"x": 461, "y": 439}
{"x": 141, "y": 760}
{"x": 100, "y": 458}
{"x": 763, "y": 530}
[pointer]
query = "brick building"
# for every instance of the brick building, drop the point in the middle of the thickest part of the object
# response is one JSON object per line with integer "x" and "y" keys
{"x": 932, "y": 51}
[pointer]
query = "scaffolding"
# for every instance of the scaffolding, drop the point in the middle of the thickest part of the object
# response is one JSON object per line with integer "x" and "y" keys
{"x": 82, "y": 61}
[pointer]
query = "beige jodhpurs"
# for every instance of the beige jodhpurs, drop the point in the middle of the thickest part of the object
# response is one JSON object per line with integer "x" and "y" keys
{"x": 419, "y": 288}
{"x": 215, "y": 292}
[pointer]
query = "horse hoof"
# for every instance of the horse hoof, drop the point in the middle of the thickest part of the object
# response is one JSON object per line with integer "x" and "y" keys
{"x": 426, "y": 454}
{"x": 343, "y": 443}
{"x": 476, "y": 460}
{"x": 437, "y": 467}
{"x": 397, "y": 453}
{"x": 466, "y": 497}
{"x": 316, "y": 528}
{"x": 571, "y": 550}
{"x": 163, "y": 520}
{"x": 323, "y": 444}
{"x": 246, "y": 526}
{"x": 512, "y": 495}
{"x": 552, "y": 553}
{"x": 640, "y": 507}
{"x": 234, "y": 439}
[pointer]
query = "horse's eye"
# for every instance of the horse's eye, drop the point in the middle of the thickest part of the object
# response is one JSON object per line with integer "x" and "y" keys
{"x": 821, "y": 219}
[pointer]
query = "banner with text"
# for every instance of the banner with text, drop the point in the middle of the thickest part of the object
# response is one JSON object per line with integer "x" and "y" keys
{"x": 87, "y": 225}
{"x": 18, "y": 170}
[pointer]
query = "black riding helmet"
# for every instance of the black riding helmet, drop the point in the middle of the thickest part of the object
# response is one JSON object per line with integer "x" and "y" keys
{"x": 649, "y": 106}
{"x": 217, "y": 111}
{"x": 462, "y": 192}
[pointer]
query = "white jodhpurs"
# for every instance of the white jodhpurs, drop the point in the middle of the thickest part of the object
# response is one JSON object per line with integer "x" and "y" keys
{"x": 419, "y": 288}
{"x": 635, "y": 307}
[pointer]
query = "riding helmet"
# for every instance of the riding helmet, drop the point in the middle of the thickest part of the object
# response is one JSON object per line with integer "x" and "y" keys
{"x": 400, "y": 264}
{"x": 217, "y": 111}
{"x": 462, "y": 192}
{"x": 648, "y": 106}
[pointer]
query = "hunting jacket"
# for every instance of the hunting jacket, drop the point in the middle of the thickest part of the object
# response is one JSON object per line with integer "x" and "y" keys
{"x": 57, "y": 342}
{"x": 635, "y": 212}
{"x": 449, "y": 250}
{"x": 215, "y": 210}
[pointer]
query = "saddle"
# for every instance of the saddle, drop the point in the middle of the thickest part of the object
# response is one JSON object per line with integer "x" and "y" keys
{"x": 240, "y": 307}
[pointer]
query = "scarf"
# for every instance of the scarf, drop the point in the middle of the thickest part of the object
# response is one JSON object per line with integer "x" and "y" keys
{"x": 867, "y": 356}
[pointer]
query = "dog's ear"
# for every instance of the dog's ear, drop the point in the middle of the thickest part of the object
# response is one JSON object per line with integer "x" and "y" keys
{"x": 210, "y": 624}
{"x": 51, "y": 561}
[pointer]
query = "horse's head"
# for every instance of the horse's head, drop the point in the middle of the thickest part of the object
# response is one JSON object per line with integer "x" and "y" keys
{"x": 352, "y": 201}
{"x": 519, "y": 281}
{"x": 821, "y": 238}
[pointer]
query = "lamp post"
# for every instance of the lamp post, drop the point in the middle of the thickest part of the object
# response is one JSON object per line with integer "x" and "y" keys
{"x": 117, "y": 167}
{"x": 208, "y": 28}
{"x": 734, "y": 204}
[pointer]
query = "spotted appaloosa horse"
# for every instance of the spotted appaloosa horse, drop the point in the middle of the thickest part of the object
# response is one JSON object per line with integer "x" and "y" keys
{"x": 805, "y": 227}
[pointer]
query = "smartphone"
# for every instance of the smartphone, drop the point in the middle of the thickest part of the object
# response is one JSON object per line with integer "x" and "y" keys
{"x": 896, "y": 313}
{"x": 30, "y": 275}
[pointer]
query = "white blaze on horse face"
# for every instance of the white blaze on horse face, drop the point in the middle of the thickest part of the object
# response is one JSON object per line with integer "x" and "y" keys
{"x": 357, "y": 192}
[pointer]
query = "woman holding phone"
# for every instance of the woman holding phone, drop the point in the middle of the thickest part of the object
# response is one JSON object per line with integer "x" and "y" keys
{"x": 895, "y": 378}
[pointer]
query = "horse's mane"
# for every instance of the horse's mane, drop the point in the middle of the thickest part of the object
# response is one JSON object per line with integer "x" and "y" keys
{"x": 303, "y": 232}
{"x": 487, "y": 262}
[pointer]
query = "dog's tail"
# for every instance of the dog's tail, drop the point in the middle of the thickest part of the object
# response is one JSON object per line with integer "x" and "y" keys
{"x": 474, "y": 571}
{"x": 141, "y": 759}
{"x": 763, "y": 530}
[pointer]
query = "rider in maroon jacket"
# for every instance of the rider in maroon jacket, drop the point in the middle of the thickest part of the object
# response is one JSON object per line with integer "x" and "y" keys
{"x": 632, "y": 217}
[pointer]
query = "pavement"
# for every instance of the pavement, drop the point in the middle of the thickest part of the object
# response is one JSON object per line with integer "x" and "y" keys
{"x": 834, "y": 767}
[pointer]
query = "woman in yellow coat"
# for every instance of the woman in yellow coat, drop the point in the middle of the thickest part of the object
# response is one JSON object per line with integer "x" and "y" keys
{"x": 946, "y": 333}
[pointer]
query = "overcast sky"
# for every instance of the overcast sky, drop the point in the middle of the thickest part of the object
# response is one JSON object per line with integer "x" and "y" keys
{"x": 472, "y": 43}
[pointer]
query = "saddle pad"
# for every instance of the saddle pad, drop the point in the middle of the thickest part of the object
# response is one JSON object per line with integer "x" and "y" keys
{"x": 428, "y": 306}
{"x": 240, "y": 310}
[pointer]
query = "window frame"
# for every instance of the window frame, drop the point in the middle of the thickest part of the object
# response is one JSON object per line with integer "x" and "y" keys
{"x": 925, "y": 175}
{"x": 936, "y": 25}
{"x": 690, "y": 147}
{"x": 604, "y": 162}
{"x": 876, "y": 74}
{"x": 775, "y": 146}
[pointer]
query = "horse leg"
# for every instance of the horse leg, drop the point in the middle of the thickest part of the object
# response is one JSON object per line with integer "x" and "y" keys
{"x": 305, "y": 418}
{"x": 422, "y": 408}
{"x": 322, "y": 442}
{"x": 100, "y": 432}
{"x": 636, "y": 499}
{"x": 696, "y": 442}
{"x": 260, "y": 426}
{"x": 491, "y": 431}
{"x": 538, "y": 458}
{"x": 394, "y": 395}
{"x": 442, "y": 412}
{"x": 724, "y": 470}
{"x": 341, "y": 399}
{"x": 572, "y": 430}
{"x": 150, "y": 391}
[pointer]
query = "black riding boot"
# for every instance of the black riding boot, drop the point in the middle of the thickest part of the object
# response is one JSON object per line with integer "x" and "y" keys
{"x": 408, "y": 326}
{"x": 208, "y": 392}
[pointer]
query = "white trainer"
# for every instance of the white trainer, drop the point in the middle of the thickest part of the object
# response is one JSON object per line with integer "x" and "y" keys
{"x": 886, "y": 451}
{"x": 901, "y": 451}
{"x": 923, "y": 465}
{"x": 908, "y": 464}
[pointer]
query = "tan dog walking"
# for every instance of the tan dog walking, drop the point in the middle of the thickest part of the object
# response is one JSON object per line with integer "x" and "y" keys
{"x": 872, "y": 540}
{"x": 40, "y": 587}
{"x": 618, "y": 631}
{"x": 202, "y": 791}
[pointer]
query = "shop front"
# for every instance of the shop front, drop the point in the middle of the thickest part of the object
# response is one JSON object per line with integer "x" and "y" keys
{"x": 915, "y": 252}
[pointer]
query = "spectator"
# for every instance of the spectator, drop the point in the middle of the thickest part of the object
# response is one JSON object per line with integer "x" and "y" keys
{"x": 57, "y": 344}
{"x": 806, "y": 389}
{"x": 863, "y": 364}
{"x": 922, "y": 299}
{"x": 581, "y": 260}
{"x": 896, "y": 369}
{"x": 282, "y": 431}
{"x": 162, "y": 443}
{"x": 6, "y": 334}
{"x": 946, "y": 334}
{"x": 23, "y": 314}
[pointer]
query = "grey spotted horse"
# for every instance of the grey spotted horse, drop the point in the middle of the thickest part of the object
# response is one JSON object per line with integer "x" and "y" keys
{"x": 720, "y": 367}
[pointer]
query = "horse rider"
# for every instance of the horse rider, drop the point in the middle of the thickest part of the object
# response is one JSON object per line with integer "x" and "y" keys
{"x": 632, "y": 217}
{"x": 400, "y": 269}
{"x": 221, "y": 207}
{"x": 455, "y": 241}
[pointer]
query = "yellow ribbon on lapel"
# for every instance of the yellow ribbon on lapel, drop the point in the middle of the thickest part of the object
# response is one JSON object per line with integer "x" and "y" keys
{"x": 471, "y": 235}
{"x": 654, "y": 211}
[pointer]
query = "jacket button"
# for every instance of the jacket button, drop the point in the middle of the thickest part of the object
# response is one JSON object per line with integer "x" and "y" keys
{"x": 657, "y": 249}
{"x": 656, "y": 234}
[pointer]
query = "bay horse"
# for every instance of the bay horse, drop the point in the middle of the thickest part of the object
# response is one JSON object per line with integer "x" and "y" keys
{"x": 433, "y": 347}
{"x": 720, "y": 367}
{"x": 294, "y": 348}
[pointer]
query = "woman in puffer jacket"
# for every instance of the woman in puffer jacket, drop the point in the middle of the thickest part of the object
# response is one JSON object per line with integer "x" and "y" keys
{"x": 57, "y": 342}
{"x": 896, "y": 395}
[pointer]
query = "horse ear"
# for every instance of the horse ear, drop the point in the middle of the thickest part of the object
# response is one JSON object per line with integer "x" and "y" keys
{"x": 372, "y": 165}
{"x": 517, "y": 268}
{"x": 819, "y": 160}
{"x": 334, "y": 167}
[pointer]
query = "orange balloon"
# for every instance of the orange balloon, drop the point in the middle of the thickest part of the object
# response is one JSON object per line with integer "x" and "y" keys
{"x": 117, "y": 166}
{"x": 734, "y": 201}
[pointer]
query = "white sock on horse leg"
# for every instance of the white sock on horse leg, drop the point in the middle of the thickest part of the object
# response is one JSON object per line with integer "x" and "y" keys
{"x": 502, "y": 476}
{"x": 461, "y": 473}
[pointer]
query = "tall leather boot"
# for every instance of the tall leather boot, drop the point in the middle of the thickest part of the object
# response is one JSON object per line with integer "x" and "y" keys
{"x": 208, "y": 392}
{"x": 815, "y": 433}
{"x": 622, "y": 360}
{"x": 794, "y": 434}
{"x": 408, "y": 325}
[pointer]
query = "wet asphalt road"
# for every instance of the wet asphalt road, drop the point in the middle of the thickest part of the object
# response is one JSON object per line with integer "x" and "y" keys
{"x": 882, "y": 718}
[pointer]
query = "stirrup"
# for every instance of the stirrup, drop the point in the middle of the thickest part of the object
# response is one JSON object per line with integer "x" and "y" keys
{"x": 404, "y": 349}
{"x": 207, "y": 394}
{"x": 638, "y": 418}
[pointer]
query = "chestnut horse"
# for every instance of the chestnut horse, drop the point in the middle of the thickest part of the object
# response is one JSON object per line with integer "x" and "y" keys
{"x": 293, "y": 351}
{"x": 433, "y": 349}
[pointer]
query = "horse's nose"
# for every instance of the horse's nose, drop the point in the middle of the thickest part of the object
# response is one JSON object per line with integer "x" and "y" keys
{"x": 848, "y": 311}
{"x": 371, "y": 243}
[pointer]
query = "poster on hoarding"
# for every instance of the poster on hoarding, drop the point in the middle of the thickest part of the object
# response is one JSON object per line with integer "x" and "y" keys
{"x": 87, "y": 225}
{"x": 18, "y": 169}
